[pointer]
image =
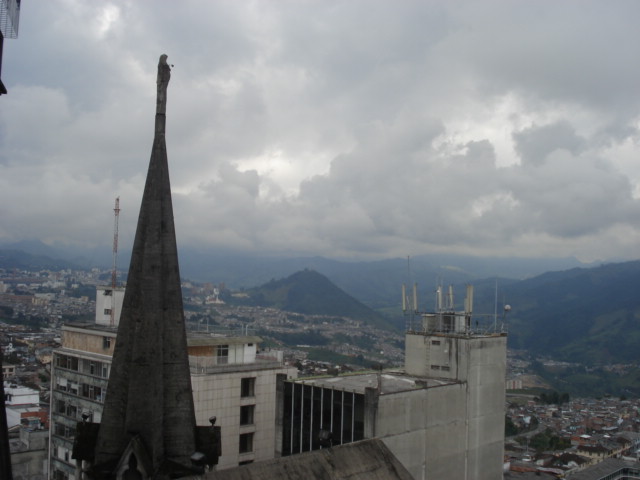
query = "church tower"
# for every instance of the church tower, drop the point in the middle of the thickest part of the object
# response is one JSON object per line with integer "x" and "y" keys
{"x": 148, "y": 424}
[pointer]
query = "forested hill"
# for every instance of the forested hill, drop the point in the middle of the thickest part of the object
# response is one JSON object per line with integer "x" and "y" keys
{"x": 312, "y": 293}
{"x": 587, "y": 315}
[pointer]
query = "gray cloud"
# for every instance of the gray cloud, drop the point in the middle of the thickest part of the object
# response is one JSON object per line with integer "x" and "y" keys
{"x": 535, "y": 143}
{"x": 347, "y": 128}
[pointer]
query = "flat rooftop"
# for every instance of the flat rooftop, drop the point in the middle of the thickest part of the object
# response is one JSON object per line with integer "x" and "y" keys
{"x": 610, "y": 468}
{"x": 194, "y": 339}
{"x": 387, "y": 382}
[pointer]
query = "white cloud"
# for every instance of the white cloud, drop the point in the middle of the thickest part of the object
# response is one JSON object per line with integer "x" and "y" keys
{"x": 346, "y": 128}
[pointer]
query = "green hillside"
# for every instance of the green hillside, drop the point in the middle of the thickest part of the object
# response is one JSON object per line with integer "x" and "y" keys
{"x": 311, "y": 293}
{"x": 590, "y": 316}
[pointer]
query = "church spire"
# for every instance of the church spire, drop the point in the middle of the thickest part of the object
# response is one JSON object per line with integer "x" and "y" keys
{"x": 148, "y": 409}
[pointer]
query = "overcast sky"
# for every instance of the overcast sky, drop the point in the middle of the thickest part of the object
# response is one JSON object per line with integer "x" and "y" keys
{"x": 348, "y": 129}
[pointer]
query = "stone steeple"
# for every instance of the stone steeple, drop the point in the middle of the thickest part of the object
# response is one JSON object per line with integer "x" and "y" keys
{"x": 148, "y": 422}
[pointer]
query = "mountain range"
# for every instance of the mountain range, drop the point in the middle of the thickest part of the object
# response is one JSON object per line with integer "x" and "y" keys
{"x": 583, "y": 314}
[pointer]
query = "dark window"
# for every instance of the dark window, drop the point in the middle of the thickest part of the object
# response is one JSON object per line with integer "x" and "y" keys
{"x": 435, "y": 342}
{"x": 58, "y": 475}
{"x": 72, "y": 411}
{"x": 71, "y": 363}
{"x": 248, "y": 387}
{"x": 58, "y": 429}
{"x": 107, "y": 293}
{"x": 73, "y": 387}
{"x": 246, "y": 414}
{"x": 107, "y": 311}
{"x": 106, "y": 342}
{"x": 246, "y": 443}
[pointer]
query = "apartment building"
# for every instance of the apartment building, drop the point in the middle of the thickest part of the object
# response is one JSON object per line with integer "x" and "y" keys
{"x": 231, "y": 380}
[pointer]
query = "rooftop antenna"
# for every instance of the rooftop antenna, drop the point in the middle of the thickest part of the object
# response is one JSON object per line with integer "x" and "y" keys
{"x": 439, "y": 298}
{"x": 468, "y": 306}
{"x": 413, "y": 307}
{"x": 450, "y": 300}
{"x": 495, "y": 309}
{"x": 114, "y": 271}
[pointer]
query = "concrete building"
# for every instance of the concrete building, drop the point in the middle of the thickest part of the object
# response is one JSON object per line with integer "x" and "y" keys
{"x": 29, "y": 451}
{"x": 442, "y": 416}
{"x": 235, "y": 383}
{"x": 108, "y": 305}
{"x": 19, "y": 400}
{"x": 9, "y": 23}
{"x": 230, "y": 378}
{"x": 8, "y": 370}
{"x": 79, "y": 376}
{"x": 609, "y": 469}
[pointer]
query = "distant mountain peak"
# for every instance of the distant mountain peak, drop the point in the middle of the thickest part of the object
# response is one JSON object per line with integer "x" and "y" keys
{"x": 310, "y": 292}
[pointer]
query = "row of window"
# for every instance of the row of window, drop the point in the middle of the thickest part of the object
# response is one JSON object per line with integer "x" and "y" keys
{"x": 92, "y": 392}
{"x": 247, "y": 415}
{"x": 89, "y": 367}
{"x": 64, "y": 407}
{"x": 62, "y": 430}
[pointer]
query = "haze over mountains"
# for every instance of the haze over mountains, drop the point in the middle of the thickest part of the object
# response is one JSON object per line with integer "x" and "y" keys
{"x": 589, "y": 315}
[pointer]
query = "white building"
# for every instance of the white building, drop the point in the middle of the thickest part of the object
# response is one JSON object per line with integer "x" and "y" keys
{"x": 19, "y": 400}
{"x": 108, "y": 305}
{"x": 231, "y": 380}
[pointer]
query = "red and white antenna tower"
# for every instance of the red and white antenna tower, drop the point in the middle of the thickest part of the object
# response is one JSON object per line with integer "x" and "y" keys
{"x": 114, "y": 272}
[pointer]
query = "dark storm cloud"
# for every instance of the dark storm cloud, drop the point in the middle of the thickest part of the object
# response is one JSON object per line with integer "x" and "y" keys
{"x": 343, "y": 128}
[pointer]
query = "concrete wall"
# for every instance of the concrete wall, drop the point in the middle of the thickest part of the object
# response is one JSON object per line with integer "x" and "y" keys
{"x": 486, "y": 398}
{"x": 87, "y": 341}
{"x": 479, "y": 363}
{"x": 423, "y": 429}
{"x": 30, "y": 461}
{"x": 105, "y": 302}
{"x": 219, "y": 395}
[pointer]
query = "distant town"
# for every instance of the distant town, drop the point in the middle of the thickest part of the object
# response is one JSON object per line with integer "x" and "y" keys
{"x": 546, "y": 431}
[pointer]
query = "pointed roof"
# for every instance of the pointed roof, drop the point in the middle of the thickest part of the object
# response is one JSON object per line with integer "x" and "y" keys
{"x": 149, "y": 393}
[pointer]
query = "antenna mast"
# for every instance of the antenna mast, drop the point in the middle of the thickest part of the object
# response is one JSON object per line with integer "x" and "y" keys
{"x": 114, "y": 272}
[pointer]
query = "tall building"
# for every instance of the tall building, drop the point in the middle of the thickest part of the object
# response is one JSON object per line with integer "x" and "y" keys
{"x": 9, "y": 23}
{"x": 79, "y": 377}
{"x": 231, "y": 380}
{"x": 442, "y": 416}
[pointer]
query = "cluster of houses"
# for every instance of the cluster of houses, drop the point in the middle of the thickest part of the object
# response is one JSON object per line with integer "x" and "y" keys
{"x": 588, "y": 431}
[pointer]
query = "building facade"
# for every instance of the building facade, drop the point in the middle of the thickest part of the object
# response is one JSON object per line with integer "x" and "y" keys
{"x": 108, "y": 304}
{"x": 79, "y": 376}
{"x": 442, "y": 416}
{"x": 230, "y": 380}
